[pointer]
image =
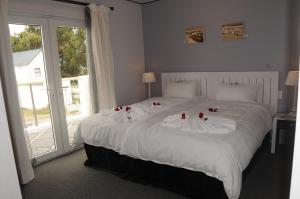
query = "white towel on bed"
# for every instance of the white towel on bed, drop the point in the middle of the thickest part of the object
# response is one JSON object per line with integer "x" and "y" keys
{"x": 192, "y": 123}
{"x": 135, "y": 113}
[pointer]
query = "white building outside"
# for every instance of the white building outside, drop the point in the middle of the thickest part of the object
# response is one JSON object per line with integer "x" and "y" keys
{"x": 32, "y": 85}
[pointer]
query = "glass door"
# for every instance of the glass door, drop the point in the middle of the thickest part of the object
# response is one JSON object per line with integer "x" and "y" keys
{"x": 31, "y": 58}
{"x": 50, "y": 59}
{"x": 69, "y": 43}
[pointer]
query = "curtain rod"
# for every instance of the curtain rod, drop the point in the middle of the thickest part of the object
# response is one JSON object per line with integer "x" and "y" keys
{"x": 77, "y": 3}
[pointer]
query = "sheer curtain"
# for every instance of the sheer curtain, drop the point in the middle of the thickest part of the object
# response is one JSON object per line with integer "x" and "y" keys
{"x": 22, "y": 155}
{"x": 102, "y": 56}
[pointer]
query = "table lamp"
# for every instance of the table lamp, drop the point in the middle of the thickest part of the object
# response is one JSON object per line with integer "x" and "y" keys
{"x": 149, "y": 78}
{"x": 292, "y": 80}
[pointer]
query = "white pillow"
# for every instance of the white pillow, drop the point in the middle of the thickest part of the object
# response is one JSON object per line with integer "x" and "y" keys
{"x": 181, "y": 89}
{"x": 238, "y": 92}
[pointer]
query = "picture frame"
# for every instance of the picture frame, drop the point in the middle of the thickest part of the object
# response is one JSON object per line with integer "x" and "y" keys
{"x": 194, "y": 35}
{"x": 233, "y": 31}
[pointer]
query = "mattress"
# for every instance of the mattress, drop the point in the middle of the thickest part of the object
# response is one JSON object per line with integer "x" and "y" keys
{"x": 220, "y": 155}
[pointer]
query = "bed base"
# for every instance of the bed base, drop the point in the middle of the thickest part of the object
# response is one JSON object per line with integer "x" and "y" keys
{"x": 189, "y": 183}
{"x": 186, "y": 182}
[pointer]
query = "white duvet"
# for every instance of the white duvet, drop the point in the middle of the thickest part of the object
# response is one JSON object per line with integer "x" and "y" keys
{"x": 220, "y": 155}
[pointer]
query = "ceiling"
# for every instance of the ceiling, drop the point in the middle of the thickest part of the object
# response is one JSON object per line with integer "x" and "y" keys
{"x": 143, "y": 1}
{"x": 83, "y": 2}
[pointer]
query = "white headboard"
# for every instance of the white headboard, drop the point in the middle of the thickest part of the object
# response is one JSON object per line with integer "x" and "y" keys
{"x": 207, "y": 83}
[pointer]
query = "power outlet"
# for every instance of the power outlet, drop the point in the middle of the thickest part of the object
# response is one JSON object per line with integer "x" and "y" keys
{"x": 280, "y": 94}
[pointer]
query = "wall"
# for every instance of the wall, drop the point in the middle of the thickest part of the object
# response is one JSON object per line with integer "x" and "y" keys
{"x": 9, "y": 183}
{"x": 294, "y": 61}
{"x": 265, "y": 49}
{"x": 128, "y": 48}
{"x": 126, "y": 37}
{"x": 295, "y": 33}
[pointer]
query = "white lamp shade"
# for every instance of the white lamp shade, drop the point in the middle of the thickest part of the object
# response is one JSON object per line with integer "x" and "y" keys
{"x": 292, "y": 78}
{"x": 149, "y": 77}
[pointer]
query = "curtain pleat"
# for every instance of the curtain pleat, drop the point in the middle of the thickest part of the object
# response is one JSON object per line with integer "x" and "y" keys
{"x": 102, "y": 56}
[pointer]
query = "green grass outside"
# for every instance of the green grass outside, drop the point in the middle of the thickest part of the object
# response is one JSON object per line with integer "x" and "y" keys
{"x": 42, "y": 115}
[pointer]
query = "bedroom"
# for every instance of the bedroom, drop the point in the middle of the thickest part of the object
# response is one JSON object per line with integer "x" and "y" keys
{"x": 151, "y": 37}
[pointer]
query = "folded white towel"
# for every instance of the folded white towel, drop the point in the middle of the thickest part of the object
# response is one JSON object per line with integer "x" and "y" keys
{"x": 213, "y": 125}
{"x": 176, "y": 121}
{"x": 192, "y": 123}
{"x": 135, "y": 113}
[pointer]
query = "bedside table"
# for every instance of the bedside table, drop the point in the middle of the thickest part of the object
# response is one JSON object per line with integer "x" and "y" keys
{"x": 280, "y": 121}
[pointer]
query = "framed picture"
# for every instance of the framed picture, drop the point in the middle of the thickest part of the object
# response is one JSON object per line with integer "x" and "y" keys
{"x": 194, "y": 35}
{"x": 234, "y": 31}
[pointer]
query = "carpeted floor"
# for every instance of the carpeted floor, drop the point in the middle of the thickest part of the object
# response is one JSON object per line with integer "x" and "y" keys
{"x": 68, "y": 178}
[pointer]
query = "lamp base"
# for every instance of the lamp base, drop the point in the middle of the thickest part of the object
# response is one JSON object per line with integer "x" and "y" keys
{"x": 149, "y": 90}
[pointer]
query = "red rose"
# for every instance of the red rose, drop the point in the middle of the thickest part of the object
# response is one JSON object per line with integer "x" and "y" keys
{"x": 215, "y": 109}
{"x": 210, "y": 109}
{"x": 117, "y": 109}
{"x": 158, "y": 104}
{"x": 127, "y": 108}
{"x": 201, "y": 115}
{"x": 183, "y": 116}
{"x": 154, "y": 104}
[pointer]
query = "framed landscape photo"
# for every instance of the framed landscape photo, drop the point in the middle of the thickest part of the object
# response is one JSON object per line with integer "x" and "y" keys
{"x": 194, "y": 35}
{"x": 234, "y": 31}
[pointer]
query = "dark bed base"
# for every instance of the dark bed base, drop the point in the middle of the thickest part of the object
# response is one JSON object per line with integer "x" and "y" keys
{"x": 186, "y": 182}
{"x": 192, "y": 184}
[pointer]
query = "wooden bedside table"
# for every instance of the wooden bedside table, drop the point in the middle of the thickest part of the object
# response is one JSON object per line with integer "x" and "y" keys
{"x": 280, "y": 121}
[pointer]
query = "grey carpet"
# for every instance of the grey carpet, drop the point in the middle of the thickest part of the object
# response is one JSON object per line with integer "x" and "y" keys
{"x": 67, "y": 178}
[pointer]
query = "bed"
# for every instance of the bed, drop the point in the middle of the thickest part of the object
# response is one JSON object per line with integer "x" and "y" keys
{"x": 165, "y": 141}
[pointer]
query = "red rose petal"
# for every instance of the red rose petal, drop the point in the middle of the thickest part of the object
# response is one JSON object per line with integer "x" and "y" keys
{"x": 183, "y": 116}
{"x": 201, "y": 115}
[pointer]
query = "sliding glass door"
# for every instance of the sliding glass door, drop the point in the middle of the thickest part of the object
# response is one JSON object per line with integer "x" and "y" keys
{"x": 50, "y": 60}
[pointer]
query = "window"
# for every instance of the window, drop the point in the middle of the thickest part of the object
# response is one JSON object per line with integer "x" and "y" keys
{"x": 37, "y": 72}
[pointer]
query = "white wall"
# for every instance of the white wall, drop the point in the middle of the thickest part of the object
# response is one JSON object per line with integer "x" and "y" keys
{"x": 9, "y": 184}
{"x": 295, "y": 191}
{"x": 294, "y": 61}
{"x": 45, "y": 7}
{"x": 25, "y": 74}
{"x": 126, "y": 35}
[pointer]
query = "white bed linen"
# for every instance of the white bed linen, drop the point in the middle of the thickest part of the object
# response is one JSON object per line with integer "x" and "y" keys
{"x": 103, "y": 129}
{"x": 223, "y": 156}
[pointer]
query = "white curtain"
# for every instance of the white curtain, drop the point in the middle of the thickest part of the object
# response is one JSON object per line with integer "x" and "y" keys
{"x": 22, "y": 156}
{"x": 102, "y": 56}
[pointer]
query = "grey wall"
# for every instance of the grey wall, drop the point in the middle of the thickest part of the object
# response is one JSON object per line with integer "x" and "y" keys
{"x": 128, "y": 48}
{"x": 266, "y": 48}
{"x": 295, "y": 33}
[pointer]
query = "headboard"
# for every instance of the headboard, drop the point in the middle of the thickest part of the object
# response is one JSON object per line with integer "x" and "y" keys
{"x": 207, "y": 83}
